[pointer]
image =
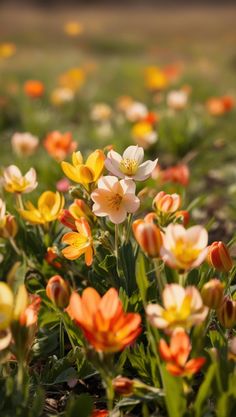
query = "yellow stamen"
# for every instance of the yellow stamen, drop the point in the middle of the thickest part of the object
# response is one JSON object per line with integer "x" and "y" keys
{"x": 129, "y": 166}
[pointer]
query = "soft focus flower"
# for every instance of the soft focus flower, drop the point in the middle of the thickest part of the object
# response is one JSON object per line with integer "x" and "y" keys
{"x": 123, "y": 103}
{"x": 61, "y": 95}
{"x": 148, "y": 236}
{"x": 34, "y": 88}
{"x": 114, "y": 198}
{"x": 6, "y": 305}
{"x": 73, "y": 79}
{"x": 103, "y": 321}
{"x": 213, "y": 293}
{"x": 48, "y": 208}
{"x": 123, "y": 385}
{"x": 217, "y": 106}
{"x": 59, "y": 145}
{"x": 182, "y": 216}
{"x": 100, "y": 413}
{"x": 226, "y": 313}
{"x": 58, "y": 291}
{"x": 84, "y": 173}
{"x": 7, "y": 49}
{"x": 24, "y": 144}
{"x": 218, "y": 257}
{"x": 182, "y": 248}
{"x": 178, "y": 174}
{"x": 182, "y": 307}
{"x": 130, "y": 164}
{"x": 176, "y": 355}
{"x": 29, "y": 316}
{"x": 101, "y": 112}
{"x": 73, "y": 28}
{"x": 10, "y": 228}
{"x": 2, "y": 213}
{"x": 136, "y": 111}
{"x": 155, "y": 79}
{"x": 80, "y": 242}
{"x": 15, "y": 182}
{"x": 143, "y": 134}
{"x": 76, "y": 210}
{"x": 167, "y": 203}
{"x": 63, "y": 185}
{"x": 177, "y": 99}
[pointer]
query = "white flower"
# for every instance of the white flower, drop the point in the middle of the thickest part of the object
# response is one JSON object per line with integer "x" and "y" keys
{"x": 130, "y": 164}
{"x": 136, "y": 111}
{"x": 15, "y": 182}
{"x": 24, "y": 144}
{"x": 177, "y": 99}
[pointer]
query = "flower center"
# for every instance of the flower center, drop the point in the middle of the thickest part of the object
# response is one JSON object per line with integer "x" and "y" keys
{"x": 115, "y": 201}
{"x": 185, "y": 251}
{"x": 129, "y": 166}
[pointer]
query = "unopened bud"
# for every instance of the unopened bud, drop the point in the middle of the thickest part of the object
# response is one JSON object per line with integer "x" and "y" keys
{"x": 58, "y": 291}
{"x": 213, "y": 293}
{"x": 227, "y": 313}
{"x": 219, "y": 257}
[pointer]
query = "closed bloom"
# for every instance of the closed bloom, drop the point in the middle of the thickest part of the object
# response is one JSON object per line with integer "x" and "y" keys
{"x": 130, "y": 164}
{"x": 123, "y": 385}
{"x": 114, "y": 198}
{"x": 103, "y": 321}
{"x": 226, "y": 313}
{"x": 59, "y": 145}
{"x": 10, "y": 227}
{"x": 218, "y": 257}
{"x": 176, "y": 355}
{"x": 76, "y": 210}
{"x": 213, "y": 293}
{"x": 2, "y": 213}
{"x": 167, "y": 203}
{"x": 48, "y": 208}
{"x": 15, "y": 182}
{"x": 80, "y": 242}
{"x": 84, "y": 173}
{"x": 148, "y": 236}
{"x": 178, "y": 174}
{"x": 34, "y": 88}
{"x": 182, "y": 248}
{"x": 58, "y": 291}
{"x": 182, "y": 307}
{"x": 24, "y": 144}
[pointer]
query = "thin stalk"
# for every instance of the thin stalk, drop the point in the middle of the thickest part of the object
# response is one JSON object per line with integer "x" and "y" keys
{"x": 19, "y": 201}
{"x": 62, "y": 339}
{"x": 159, "y": 276}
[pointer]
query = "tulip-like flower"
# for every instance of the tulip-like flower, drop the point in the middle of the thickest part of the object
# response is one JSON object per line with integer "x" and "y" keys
{"x": 34, "y": 88}
{"x": 6, "y": 305}
{"x": 178, "y": 174}
{"x": 218, "y": 257}
{"x": 103, "y": 321}
{"x": 15, "y": 182}
{"x": 59, "y": 145}
{"x": 226, "y": 313}
{"x": 58, "y": 291}
{"x": 167, "y": 203}
{"x": 148, "y": 236}
{"x": 177, "y": 99}
{"x": 182, "y": 248}
{"x": 24, "y": 144}
{"x": 85, "y": 173}
{"x": 76, "y": 210}
{"x": 182, "y": 307}
{"x": 213, "y": 293}
{"x": 114, "y": 198}
{"x": 182, "y": 216}
{"x": 176, "y": 355}
{"x": 48, "y": 209}
{"x": 80, "y": 242}
{"x": 123, "y": 385}
{"x": 130, "y": 165}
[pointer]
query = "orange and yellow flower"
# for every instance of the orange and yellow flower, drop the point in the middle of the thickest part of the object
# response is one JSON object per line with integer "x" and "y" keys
{"x": 58, "y": 291}
{"x": 76, "y": 210}
{"x": 103, "y": 321}
{"x": 59, "y": 145}
{"x": 73, "y": 28}
{"x": 48, "y": 208}
{"x": 80, "y": 242}
{"x": 73, "y": 79}
{"x": 34, "y": 88}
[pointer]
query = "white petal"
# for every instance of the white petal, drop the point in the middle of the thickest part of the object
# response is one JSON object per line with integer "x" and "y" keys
{"x": 131, "y": 203}
{"x": 145, "y": 170}
{"x": 134, "y": 152}
{"x": 107, "y": 182}
{"x": 128, "y": 186}
{"x": 118, "y": 216}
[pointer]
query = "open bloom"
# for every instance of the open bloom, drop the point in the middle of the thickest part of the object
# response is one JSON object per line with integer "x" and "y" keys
{"x": 15, "y": 182}
{"x": 103, "y": 321}
{"x": 76, "y": 210}
{"x": 130, "y": 164}
{"x": 182, "y": 307}
{"x": 24, "y": 144}
{"x": 61, "y": 95}
{"x": 219, "y": 257}
{"x": 34, "y": 88}
{"x": 48, "y": 209}
{"x": 114, "y": 198}
{"x": 80, "y": 242}
{"x": 177, "y": 99}
{"x": 178, "y": 174}
{"x": 59, "y": 145}
{"x": 176, "y": 355}
{"x": 217, "y": 106}
{"x": 7, "y": 49}
{"x": 182, "y": 248}
{"x": 155, "y": 79}
{"x": 84, "y": 173}
{"x": 101, "y": 112}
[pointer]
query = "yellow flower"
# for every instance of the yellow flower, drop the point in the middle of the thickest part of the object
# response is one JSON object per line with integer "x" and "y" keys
{"x": 155, "y": 79}
{"x": 84, "y": 173}
{"x": 73, "y": 28}
{"x": 72, "y": 79}
{"x": 7, "y": 49}
{"x": 80, "y": 242}
{"x": 15, "y": 182}
{"x": 48, "y": 209}
{"x": 6, "y": 305}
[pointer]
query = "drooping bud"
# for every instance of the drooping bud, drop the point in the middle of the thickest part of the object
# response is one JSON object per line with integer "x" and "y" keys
{"x": 218, "y": 257}
{"x": 58, "y": 291}
{"x": 213, "y": 293}
{"x": 227, "y": 313}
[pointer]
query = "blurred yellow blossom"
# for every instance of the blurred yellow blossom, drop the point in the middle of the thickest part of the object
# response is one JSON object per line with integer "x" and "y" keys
{"x": 73, "y": 79}
{"x": 73, "y": 28}
{"x": 48, "y": 209}
{"x": 7, "y": 49}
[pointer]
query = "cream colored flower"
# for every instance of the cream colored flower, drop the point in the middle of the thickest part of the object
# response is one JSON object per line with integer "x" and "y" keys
{"x": 177, "y": 99}
{"x": 101, "y": 112}
{"x": 15, "y": 182}
{"x": 24, "y": 144}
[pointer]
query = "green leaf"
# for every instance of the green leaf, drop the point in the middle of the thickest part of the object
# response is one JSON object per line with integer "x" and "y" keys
{"x": 81, "y": 406}
{"x": 204, "y": 390}
{"x": 176, "y": 403}
{"x": 108, "y": 263}
{"x": 127, "y": 261}
{"x": 38, "y": 403}
{"x": 141, "y": 278}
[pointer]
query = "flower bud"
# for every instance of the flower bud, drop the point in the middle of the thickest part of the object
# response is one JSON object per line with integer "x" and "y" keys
{"x": 183, "y": 216}
{"x": 148, "y": 236}
{"x": 51, "y": 257}
{"x": 11, "y": 226}
{"x": 122, "y": 385}
{"x": 66, "y": 218}
{"x": 218, "y": 257}
{"x": 167, "y": 203}
{"x": 212, "y": 293}
{"x": 227, "y": 313}
{"x": 58, "y": 291}
{"x": 6, "y": 305}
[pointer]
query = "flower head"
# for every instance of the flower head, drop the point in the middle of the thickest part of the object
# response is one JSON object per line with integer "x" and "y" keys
{"x": 7, "y": 49}
{"x": 73, "y": 79}
{"x": 130, "y": 164}
{"x": 6, "y": 305}
{"x": 182, "y": 307}
{"x": 176, "y": 355}
{"x": 59, "y": 145}
{"x": 167, "y": 203}
{"x": 219, "y": 257}
{"x": 144, "y": 134}
{"x": 114, "y": 198}
{"x": 80, "y": 242}
{"x": 48, "y": 208}
{"x": 148, "y": 236}
{"x": 15, "y": 182}
{"x": 177, "y": 99}
{"x": 103, "y": 321}
{"x": 76, "y": 210}
{"x": 34, "y": 88}
{"x": 58, "y": 291}
{"x": 2, "y": 213}
{"x": 24, "y": 144}
{"x": 213, "y": 293}
{"x": 182, "y": 248}
{"x": 61, "y": 95}
{"x": 73, "y": 28}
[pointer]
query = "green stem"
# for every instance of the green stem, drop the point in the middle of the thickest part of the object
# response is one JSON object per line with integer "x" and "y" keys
{"x": 128, "y": 230}
{"x": 110, "y": 394}
{"x": 19, "y": 201}
{"x": 62, "y": 339}
{"x": 159, "y": 276}
{"x": 20, "y": 376}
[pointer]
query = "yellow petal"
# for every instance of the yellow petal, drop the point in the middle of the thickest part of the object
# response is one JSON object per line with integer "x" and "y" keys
{"x": 95, "y": 161}
{"x": 21, "y": 302}
{"x": 71, "y": 172}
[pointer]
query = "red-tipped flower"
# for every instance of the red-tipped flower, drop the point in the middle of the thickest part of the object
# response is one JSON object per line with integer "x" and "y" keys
{"x": 227, "y": 313}
{"x": 58, "y": 291}
{"x": 148, "y": 236}
{"x": 218, "y": 257}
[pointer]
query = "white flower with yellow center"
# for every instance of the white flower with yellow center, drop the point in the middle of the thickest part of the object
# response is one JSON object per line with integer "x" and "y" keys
{"x": 130, "y": 165}
{"x": 15, "y": 182}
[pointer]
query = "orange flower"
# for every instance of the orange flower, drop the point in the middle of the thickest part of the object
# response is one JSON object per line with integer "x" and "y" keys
{"x": 59, "y": 145}
{"x": 167, "y": 203}
{"x": 218, "y": 257}
{"x": 103, "y": 321}
{"x": 34, "y": 88}
{"x": 76, "y": 210}
{"x": 178, "y": 174}
{"x": 29, "y": 316}
{"x": 148, "y": 236}
{"x": 80, "y": 242}
{"x": 227, "y": 313}
{"x": 176, "y": 355}
{"x": 51, "y": 257}
{"x": 217, "y": 106}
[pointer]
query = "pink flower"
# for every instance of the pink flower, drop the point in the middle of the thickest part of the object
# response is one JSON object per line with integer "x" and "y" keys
{"x": 184, "y": 248}
{"x": 63, "y": 185}
{"x": 114, "y": 198}
{"x": 130, "y": 165}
